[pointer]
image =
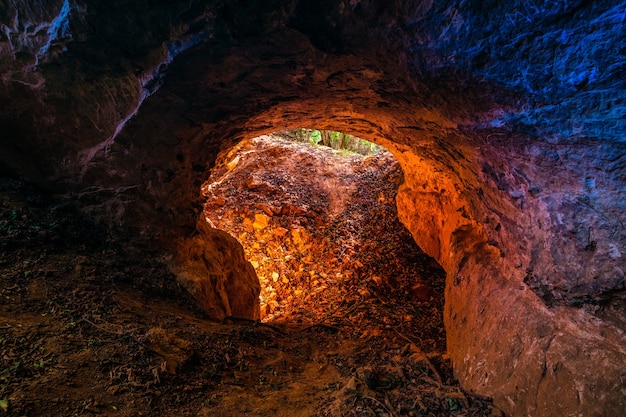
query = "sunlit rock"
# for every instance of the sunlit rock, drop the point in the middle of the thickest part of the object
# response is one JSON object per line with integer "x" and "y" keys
{"x": 212, "y": 268}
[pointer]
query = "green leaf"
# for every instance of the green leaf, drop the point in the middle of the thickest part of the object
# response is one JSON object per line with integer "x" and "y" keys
{"x": 315, "y": 137}
{"x": 453, "y": 404}
{"x": 4, "y": 405}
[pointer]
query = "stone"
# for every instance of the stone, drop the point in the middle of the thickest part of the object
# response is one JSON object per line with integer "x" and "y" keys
{"x": 261, "y": 221}
{"x": 269, "y": 211}
{"x": 253, "y": 183}
{"x": 232, "y": 164}
{"x": 507, "y": 119}
{"x": 420, "y": 291}
{"x": 174, "y": 350}
{"x": 248, "y": 224}
{"x": 280, "y": 232}
{"x": 298, "y": 236}
{"x": 378, "y": 280}
{"x": 211, "y": 266}
{"x": 291, "y": 210}
{"x": 364, "y": 293}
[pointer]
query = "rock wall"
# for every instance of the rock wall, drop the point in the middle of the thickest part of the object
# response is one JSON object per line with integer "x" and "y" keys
{"x": 519, "y": 326}
{"x": 507, "y": 119}
{"x": 212, "y": 268}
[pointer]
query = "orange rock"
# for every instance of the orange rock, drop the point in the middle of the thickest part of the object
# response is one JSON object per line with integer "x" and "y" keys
{"x": 247, "y": 223}
{"x": 420, "y": 291}
{"x": 174, "y": 350}
{"x": 265, "y": 208}
{"x": 280, "y": 232}
{"x": 207, "y": 262}
{"x": 297, "y": 236}
{"x": 364, "y": 293}
{"x": 232, "y": 164}
{"x": 253, "y": 183}
{"x": 261, "y": 221}
{"x": 291, "y": 210}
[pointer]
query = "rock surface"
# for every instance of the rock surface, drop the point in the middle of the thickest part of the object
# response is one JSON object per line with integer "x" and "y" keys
{"x": 174, "y": 350}
{"x": 212, "y": 268}
{"x": 327, "y": 245}
{"x": 508, "y": 121}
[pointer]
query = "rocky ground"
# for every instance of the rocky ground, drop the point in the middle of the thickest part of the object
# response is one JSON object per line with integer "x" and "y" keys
{"x": 351, "y": 308}
{"x": 321, "y": 229}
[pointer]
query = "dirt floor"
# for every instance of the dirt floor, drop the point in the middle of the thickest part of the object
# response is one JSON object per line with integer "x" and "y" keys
{"x": 351, "y": 308}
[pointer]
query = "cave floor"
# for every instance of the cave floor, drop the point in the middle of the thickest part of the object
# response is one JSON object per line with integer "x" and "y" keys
{"x": 90, "y": 326}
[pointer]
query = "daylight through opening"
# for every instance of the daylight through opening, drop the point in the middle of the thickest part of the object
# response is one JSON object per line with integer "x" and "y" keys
{"x": 315, "y": 212}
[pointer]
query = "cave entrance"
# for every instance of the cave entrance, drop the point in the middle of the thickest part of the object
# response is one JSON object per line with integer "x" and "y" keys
{"x": 319, "y": 224}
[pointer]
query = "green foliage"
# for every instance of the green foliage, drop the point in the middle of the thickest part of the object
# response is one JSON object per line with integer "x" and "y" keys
{"x": 315, "y": 137}
{"x": 453, "y": 404}
{"x": 95, "y": 343}
{"x": 10, "y": 370}
{"x": 339, "y": 141}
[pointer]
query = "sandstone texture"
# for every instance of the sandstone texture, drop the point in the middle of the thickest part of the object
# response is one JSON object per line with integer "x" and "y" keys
{"x": 212, "y": 268}
{"x": 507, "y": 119}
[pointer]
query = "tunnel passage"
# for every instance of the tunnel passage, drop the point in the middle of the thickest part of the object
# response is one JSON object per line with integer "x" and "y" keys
{"x": 320, "y": 227}
{"x": 508, "y": 131}
{"x": 472, "y": 221}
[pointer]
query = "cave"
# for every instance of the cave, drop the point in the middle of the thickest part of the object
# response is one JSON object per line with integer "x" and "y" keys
{"x": 506, "y": 119}
{"x": 315, "y": 213}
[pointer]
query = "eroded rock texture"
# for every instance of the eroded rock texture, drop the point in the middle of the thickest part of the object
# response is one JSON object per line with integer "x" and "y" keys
{"x": 508, "y": 120}
{"x": 213, "y": 270}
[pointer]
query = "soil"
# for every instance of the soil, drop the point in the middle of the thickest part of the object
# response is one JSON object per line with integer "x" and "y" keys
{"x": 352, "y": 310}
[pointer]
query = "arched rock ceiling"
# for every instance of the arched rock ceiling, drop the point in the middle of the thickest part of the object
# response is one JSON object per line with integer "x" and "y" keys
{"x": 507, "y": 117}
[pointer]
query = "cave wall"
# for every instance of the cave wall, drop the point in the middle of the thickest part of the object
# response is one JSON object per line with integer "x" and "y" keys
{"x": 527, "y": 291}
{"x": 508, "y": 120}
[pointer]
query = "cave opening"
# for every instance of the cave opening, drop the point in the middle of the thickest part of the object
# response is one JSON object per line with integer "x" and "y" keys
{"x": 315, "y": 212}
